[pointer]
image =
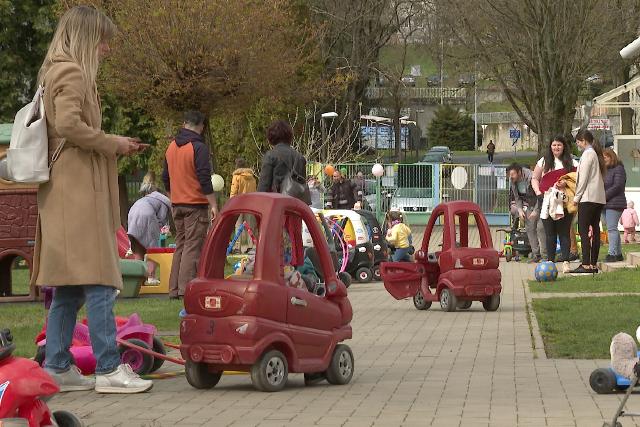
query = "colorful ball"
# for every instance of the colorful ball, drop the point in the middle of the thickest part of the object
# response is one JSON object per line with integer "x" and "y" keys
{"x": 217, "y": 182}
{"x": 329, "y": 170}
{"x": 546, "y": 272}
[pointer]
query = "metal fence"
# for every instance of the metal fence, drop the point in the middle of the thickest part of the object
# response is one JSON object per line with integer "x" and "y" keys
{"x": 417, "y": 188}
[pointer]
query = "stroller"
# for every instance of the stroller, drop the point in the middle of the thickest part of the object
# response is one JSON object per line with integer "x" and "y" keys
{"x": 516, "y": 241}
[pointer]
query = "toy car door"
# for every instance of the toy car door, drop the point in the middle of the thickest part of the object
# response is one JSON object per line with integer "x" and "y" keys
{"x": 402, "y": 279}
{"x": 311, "y": 318}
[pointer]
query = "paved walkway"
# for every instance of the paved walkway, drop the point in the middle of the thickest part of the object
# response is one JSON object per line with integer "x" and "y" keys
{"x": 413, "y": 368}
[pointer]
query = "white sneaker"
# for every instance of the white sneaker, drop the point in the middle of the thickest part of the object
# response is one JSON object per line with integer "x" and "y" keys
{"x": 72, "y": 380}
{"x": 152, "y": 281}
{"x": 123, "y": 380}
{"x": 566, "y": 268}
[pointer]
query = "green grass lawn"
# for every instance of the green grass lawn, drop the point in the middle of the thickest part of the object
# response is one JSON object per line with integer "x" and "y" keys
{"x": 582, "y": 328}
{"x": 627, "y": 280}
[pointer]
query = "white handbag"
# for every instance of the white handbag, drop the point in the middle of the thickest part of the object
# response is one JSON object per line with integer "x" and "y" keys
{"x": 27, "y": 156}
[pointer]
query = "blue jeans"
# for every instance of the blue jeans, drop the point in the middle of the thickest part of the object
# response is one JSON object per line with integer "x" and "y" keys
{"x": 611, "y": 217}
{"x": 401, "y": 254}
{"x": 102, "y": 326}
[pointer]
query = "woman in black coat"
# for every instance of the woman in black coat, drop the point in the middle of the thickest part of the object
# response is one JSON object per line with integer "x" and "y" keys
{"x": 614, "y": 183}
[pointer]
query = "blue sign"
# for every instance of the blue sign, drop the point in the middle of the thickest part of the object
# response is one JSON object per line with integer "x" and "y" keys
{"x": 514, "y": 133}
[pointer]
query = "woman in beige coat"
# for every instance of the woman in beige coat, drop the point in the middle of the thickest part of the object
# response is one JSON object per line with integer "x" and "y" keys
{"x": 78, "y": 208}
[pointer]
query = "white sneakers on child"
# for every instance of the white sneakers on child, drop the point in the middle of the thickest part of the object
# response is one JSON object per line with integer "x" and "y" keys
{"x": 152, "y": 281}
{"x": 123, "y": 380}
{"x": 72, "y": 380}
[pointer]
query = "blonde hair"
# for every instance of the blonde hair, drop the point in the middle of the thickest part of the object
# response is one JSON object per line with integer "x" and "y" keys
{"x": 148, "y": 184}
{"x": 77, "y": 36}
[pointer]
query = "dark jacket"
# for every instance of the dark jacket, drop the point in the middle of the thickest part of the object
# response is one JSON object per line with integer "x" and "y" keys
{"x": 343, "y": 194}
{"x": 276, "y": 163}
{"x": 614, "y": 183}
{"x": 187, "y": 169}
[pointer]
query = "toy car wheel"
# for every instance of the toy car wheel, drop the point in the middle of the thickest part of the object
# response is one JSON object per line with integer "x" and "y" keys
{"x": 66, "y": 419}
{"x": 364, "y": 275}
{"x": 345, "y": 278}
{"x": 199, "y": 376}
{"x": 508, "y": 254}
{"x": 602, "y": 380}
{"x": 419, "y": 302}
{"x": 140, "y": 362}
{"x": 448, "y": 300}
{"x": 270, "y": 372}
{"x": 465, "y": 305}
{"x": 158, "y": 347}
{"x": 341, "y": 367}
{"x": 492, "y": 303}
{"x": 376, "y": 273}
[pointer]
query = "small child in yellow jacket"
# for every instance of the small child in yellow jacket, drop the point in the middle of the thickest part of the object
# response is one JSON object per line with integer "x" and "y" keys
{"x": 399, "y": 236}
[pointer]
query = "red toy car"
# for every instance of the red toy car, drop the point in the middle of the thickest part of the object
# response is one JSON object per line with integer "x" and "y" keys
{"x": 457, "y": 274}
{"x": 24, "y": 387}
{"x": 255, "y": 322}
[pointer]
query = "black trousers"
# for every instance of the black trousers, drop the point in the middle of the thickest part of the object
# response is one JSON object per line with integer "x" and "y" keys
{"x": 558, "y": 230}
{"x": 589, "y": 215}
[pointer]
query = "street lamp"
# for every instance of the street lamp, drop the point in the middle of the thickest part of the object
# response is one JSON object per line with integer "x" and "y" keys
{"x": 326, "y": 116}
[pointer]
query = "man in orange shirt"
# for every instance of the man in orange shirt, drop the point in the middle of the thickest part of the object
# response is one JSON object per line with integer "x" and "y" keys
{"x": 187, "y": 178}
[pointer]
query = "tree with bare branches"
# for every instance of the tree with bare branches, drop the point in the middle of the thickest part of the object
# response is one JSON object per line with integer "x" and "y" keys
{"x": 541, "y": 51}
{"x": 354, "y": 32}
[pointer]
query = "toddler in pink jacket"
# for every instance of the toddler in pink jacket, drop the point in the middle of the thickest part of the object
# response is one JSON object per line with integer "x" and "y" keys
{"x": 629, "y": 221}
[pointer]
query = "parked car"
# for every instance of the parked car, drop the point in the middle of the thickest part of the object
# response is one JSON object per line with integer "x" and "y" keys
{"x": 409, "y": 81}
{"x": 467, "y": 79}
{"x": 434, "y": 80}
{"x": 412, "y": 200}
{"x": 442, "y": 149}
{"x": 435, "y": 157}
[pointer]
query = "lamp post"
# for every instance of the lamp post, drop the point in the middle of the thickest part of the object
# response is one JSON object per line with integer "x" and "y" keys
{"x": 330, "y": 115}
{"x": 377, "y": 170}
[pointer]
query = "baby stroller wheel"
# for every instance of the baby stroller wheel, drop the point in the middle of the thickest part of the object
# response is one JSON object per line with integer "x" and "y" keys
{"x": 602, "y": 380}
{"x": 158, "y": 347}
{"x": 140, "y": 362}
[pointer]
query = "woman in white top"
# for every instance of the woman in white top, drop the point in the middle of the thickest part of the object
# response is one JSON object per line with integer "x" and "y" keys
{"x": 556, "y": 162}
{"x": 591, "y": 198}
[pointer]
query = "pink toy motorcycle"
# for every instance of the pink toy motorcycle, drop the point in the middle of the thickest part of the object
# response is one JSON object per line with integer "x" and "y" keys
{"x": 130, "y": 330}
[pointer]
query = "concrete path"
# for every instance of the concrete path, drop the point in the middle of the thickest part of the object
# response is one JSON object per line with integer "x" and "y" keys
{"x": 413, "y": 368}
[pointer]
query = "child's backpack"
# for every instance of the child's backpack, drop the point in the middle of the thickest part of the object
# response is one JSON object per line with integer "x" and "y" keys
{"x": 27, "y": 157}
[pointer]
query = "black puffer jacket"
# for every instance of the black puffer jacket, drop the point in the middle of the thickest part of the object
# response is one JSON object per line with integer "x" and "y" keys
{"x": 276, "y": 163}
{"x": 614, "y": 183}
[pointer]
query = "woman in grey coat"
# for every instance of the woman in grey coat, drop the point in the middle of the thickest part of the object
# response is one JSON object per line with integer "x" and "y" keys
{"x": 146, "y": 217}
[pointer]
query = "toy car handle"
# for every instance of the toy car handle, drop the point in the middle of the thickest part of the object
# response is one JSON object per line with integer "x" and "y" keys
{"x": 298, "y": 302}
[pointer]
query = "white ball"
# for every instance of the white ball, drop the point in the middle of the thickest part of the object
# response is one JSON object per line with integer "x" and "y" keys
{"x": 377, "y": 170}
{"x": 217, "y": 182}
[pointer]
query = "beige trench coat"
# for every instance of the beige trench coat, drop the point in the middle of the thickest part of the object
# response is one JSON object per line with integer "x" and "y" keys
{"x": 78, "y": 209}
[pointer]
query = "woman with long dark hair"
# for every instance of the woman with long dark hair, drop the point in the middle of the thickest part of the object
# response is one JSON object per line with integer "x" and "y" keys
{"x": 591, "y": 198}
{"x": 557, "y": 161}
